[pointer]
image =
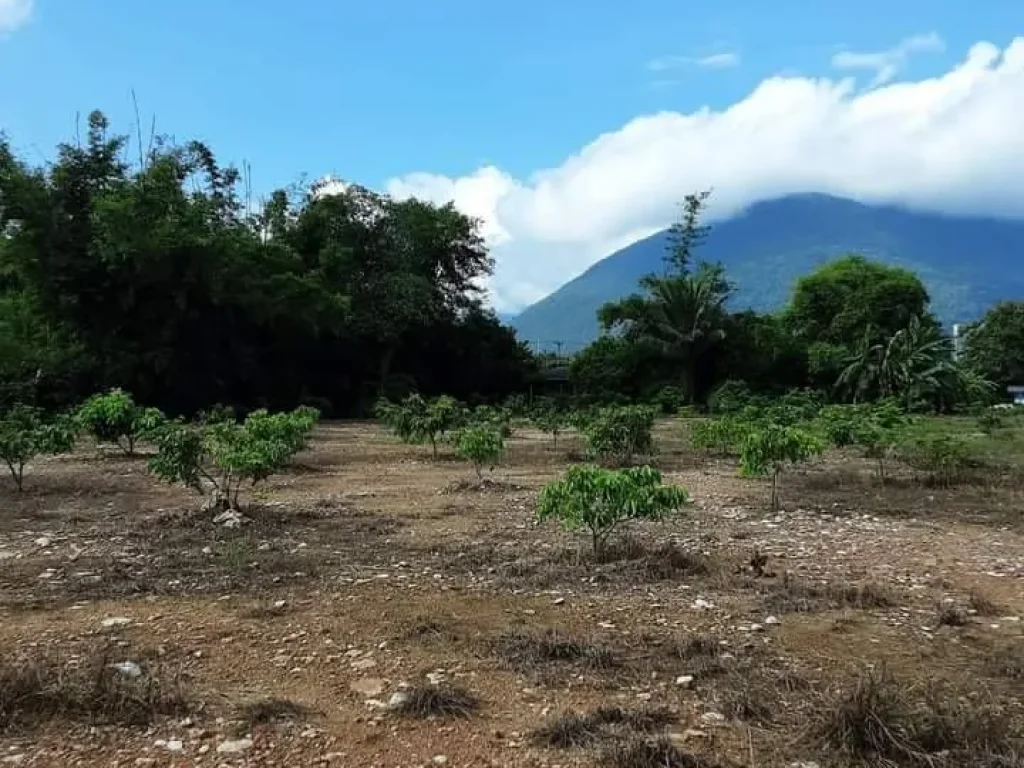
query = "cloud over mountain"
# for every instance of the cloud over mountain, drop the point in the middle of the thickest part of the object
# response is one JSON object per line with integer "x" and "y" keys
{"x": 951, "y": 143}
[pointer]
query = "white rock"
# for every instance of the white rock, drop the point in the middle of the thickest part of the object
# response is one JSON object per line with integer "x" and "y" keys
{"x": 398, "y": 700}
{"x": 43, "y": 541}
{"x": 685, "y": 680}
{"x": 367, "y": 686}
{"x": 712, "y": 718}
{"x": 440, "y": 760}
{"x": 174, "y": 745}
{"x": 772, "y": 621}
{"x": 701, "y": 604}
{"x": 115, "y": 621}
{"x": 128, "y": 668}
{"x": 234, "y": 747}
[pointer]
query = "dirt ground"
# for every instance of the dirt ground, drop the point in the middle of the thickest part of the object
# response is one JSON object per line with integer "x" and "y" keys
{"x": 370, "y": 570}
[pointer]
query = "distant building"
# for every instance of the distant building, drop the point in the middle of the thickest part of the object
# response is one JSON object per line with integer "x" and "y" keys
{"x": 1017, "y": 393}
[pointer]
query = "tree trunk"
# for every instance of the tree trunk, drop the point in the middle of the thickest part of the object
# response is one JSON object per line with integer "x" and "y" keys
{"x": 775, "y": 491}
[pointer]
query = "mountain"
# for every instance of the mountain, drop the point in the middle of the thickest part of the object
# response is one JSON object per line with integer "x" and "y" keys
{"x": 967, "y": 263}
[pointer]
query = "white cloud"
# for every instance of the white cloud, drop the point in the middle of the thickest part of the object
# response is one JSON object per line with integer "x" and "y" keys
{"x": 887, "y": 64}
{"x": 722, "y": 60}
{"x": 951, "y": 143}
{"x": 719, "y": 60}
{"x": 14, "y": 13}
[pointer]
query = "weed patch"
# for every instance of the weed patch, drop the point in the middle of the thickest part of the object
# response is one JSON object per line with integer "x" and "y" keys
{"x": 92, "y": 689}
{"x": 429, "y": 702}
{"x": 881, "y": 719}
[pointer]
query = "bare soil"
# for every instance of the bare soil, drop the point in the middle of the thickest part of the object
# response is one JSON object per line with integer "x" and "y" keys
{"x": 370, "y": 569}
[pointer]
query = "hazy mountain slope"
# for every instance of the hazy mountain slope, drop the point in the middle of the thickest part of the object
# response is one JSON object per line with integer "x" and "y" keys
{"x": 967, "y": 263}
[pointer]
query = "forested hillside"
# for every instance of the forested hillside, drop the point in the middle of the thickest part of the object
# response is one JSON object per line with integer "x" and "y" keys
{"x": 967, "y": 264}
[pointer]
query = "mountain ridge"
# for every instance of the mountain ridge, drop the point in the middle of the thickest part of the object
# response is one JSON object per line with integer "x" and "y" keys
{"x": 966, "y": 262}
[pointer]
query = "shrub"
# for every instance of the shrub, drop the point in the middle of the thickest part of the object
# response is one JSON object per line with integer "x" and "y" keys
{"x": 417, "y": 421}
{"x": 668, "y": 400}
{"x": 550, "y": 419}
{"x": 601, "y": 500}
{"x": 840, "y": 424}
{"x": 499, "y": 419}
{"x": 767, "y": 449}
{"x": 24, "y": 434}
{"x": 731, "y": 397}
{"x": 617, "y": 434}
{"x": 879, "y": 431}
{"x": 721, "y": 437}
{"x": 481, "y": 444}
{"x": 224, "y": 455}
{"x": 114, "y": 417}
{"x": 990, "y": 420}
{"x": 944, "y": 457}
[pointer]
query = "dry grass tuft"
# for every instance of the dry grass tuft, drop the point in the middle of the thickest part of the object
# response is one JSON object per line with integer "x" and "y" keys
{"x": 426, "y": 701}
{"x": 650, "y": 753}
{"x": 982, "y": 605}
{"x": 952, "y": 616}
{"x": 792, "y": 596}
{"x": 86, "y": 689}
{"x": 269, "y": 711}
{"x": 573, "y": 730}
{"x": 527, "y": 651}
{"x": 880, "y": 719}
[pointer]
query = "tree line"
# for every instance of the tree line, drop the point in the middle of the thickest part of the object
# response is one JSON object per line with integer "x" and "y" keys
{"x": 155, "y": 275}
{"x": 855, "y": 330}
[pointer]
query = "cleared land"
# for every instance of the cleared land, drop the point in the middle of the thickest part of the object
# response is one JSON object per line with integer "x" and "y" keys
{"x": 862, "y": 621}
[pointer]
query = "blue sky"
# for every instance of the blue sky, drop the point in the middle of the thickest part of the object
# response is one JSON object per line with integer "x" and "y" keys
{"x": 569, "y": 127}
{"x": 377, "y": 89}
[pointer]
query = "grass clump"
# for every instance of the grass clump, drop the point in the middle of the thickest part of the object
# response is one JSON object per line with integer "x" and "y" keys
{"x": 792, "y": 596}
{"x": 527, "y": 650}
{"x": 424, "y": 702}
{"x": 881, "y": 720}
{"x": 90, "y": 689}
{"x": 573, "y": 730}
{"x": 650, "y": 753}
{"x": 269, "y": 711}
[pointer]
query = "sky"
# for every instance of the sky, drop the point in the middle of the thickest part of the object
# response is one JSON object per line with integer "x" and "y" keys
{"x": 570, "y": 128}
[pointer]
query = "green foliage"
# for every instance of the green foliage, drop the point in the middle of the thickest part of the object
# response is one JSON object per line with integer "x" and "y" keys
{"x": 880, "y": 430}
{"x": 943, "y": 456}
{"x": 417, "y": 421}
{"x": 731, "y": 397}
{"x": 155, "y": 275}
{"x": 482, "y": 443}
{"x": 497, "y": 418}
{"x": 840, "y": 424}
{"x": 550, "y": 418}
{"x": 618, "y": 434}
{"x": 668, "y": 400}
{"x": 991, "y": 420}
{"x": 221, "y": 456}
{"x": 681, "y": 316}
{"x": 994, "y": 347}
{"x": 600, "y": 500}
{"x": 834, "y": 304}
{"x": 114, "y": 417}
{"x": 721, "y": 437}
{"x": 768, "y": 448}
{"x": 25, "y": 434}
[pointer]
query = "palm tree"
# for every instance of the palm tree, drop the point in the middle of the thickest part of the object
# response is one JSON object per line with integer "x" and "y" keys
{"x": 915, "y": 364}
{"x": 681, "y": 315}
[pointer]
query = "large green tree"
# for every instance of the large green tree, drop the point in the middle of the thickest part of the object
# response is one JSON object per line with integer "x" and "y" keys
{"x": 833, "y": 308}
{"x": 994, "y": 347}
{"x": 153, "y": 276}
{"x": 680, "y": 312}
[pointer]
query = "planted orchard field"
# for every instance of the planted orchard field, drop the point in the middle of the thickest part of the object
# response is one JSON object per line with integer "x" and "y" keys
{"x": 377, "y": 606}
